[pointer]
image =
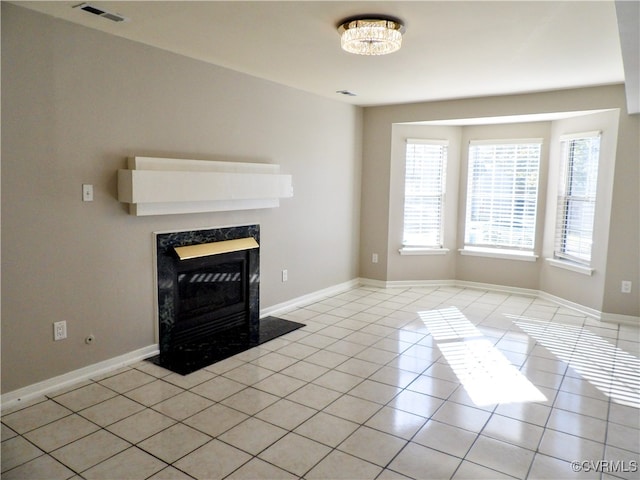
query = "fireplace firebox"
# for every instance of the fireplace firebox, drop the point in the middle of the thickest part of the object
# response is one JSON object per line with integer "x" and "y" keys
{"x": 212, "y": 295}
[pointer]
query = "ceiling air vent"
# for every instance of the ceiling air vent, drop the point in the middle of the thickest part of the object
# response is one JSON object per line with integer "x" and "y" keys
{"x": 114, "y": 17}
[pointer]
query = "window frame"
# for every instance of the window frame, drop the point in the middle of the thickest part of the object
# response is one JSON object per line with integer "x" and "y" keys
{"x": 565, "y": 198}
{"x": 413, "y": 247}
{"x": 530, "y": 197}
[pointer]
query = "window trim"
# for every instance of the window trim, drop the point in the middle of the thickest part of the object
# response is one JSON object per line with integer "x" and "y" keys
{"x": 571, "y": 266}
{"x": 503, "y": 253}
{"x": 423, "y": 251}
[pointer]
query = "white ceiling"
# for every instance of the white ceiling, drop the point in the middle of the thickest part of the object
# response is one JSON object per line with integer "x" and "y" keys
{"x": 451, "y": 49}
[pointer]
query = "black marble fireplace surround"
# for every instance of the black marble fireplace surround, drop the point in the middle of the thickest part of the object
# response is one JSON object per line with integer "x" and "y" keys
{"x": 201, "y": 322}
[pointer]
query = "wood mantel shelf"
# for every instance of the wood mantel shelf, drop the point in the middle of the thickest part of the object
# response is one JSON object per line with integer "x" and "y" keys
{"x": 161, "y": 186}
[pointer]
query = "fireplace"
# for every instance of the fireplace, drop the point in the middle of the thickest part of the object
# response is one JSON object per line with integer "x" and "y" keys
{"x": 208, "y": 297}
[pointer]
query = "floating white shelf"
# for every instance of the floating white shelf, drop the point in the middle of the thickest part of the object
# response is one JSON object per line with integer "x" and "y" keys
{"x": 161, "y": 186}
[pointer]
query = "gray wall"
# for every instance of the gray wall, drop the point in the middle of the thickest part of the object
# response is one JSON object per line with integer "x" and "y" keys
{"x": 76, "y": 103}
{"x": 617, "y": 255}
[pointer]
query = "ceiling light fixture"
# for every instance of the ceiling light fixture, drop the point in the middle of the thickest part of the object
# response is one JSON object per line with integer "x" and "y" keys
{"x": 371, "y": 35}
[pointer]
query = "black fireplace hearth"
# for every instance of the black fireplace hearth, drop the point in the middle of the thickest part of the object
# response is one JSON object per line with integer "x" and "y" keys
{"x": 189, "y": 357}
{"x": 208, "y": 300}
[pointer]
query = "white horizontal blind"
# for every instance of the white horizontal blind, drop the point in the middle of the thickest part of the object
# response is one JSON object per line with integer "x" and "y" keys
{"x": 425, "y": 164}
{"x": 577, "y": 196}
{"x": 502, "y": 193}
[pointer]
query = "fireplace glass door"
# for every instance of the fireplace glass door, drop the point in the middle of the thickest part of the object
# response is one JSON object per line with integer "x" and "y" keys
{"x": 211, "y": 295}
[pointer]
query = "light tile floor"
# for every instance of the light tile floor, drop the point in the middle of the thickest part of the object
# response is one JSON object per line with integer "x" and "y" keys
{"x": 362, "y": 392}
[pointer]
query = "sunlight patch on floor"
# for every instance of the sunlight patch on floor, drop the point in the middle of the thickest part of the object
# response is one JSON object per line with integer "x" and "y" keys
{"x": 611, "y": 370}
{"x": 486, "y": 374}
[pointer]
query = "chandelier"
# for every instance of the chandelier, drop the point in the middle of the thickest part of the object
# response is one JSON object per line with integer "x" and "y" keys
{"x": 371, "y": 35}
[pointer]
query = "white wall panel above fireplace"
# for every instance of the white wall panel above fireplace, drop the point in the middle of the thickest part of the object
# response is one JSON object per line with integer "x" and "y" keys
{"x": 160, "y": 186}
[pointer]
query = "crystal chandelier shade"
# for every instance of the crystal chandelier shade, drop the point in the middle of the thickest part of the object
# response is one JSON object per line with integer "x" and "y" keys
{"x": 371, "y": 36}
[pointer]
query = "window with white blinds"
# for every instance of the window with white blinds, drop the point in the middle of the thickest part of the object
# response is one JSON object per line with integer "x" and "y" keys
{"x": 425, "y": 165}
{"x": 502, "y": 193}
{"x": 580, "y": 154}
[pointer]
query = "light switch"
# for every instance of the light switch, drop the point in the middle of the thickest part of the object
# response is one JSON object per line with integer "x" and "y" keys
{"x": 87, "y": 193}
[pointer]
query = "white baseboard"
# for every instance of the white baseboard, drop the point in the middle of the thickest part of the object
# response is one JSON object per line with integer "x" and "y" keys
{"x": 26, "y": 394}
{"x": 498, "y": 288}
{"x": 604, "y": 317}
{"x": 621, "y": 319}
{"x": 369, "y": 282}
{"x": 309, "y": 298}
{"x": 447, "y": 283}
{"x": 591, "y": 312}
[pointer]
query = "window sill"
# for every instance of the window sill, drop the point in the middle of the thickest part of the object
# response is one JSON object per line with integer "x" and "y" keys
{"x": 423, "y": 251}
{"x": 572, "y": 267}
{"x": 499, "y": 253}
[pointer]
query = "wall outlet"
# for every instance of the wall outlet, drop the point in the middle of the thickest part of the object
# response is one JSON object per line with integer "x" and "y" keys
{"x": 87, "y": 192}
{"x": 626, "y": 286}
{"x": 285, "y": 275}
{"x": 374, "y": 258}
{"x": 59, "y": 330}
